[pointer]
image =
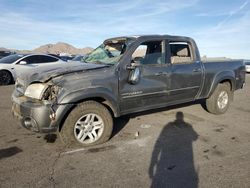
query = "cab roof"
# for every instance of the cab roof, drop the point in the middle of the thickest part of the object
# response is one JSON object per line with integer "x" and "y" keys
{"x": 145, "y": 37}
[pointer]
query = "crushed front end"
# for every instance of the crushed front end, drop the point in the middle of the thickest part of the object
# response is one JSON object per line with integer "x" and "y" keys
{"x": 34, "y": 106}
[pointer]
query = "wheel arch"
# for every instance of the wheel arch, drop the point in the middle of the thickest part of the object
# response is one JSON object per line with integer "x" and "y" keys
{"x": 223, "y": 77}
{"x": 71, "y": 101}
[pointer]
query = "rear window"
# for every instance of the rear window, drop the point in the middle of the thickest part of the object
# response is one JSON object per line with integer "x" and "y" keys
{"x": 247, "y": 62}
{"x": 10, "y": 59}
{"x": 47, "y": 59}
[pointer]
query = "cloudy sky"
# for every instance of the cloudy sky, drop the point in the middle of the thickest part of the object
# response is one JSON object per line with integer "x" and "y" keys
{"x": 220, "y": 27}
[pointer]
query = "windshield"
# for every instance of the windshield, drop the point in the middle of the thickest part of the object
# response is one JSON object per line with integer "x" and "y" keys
{"x": 247, "y": 62}
{"x": 10, "y": 59}
{"x": 109, "y": 52}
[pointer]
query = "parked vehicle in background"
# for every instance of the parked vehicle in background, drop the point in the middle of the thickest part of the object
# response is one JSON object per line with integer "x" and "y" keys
{"x": 122, "y": 76}
{"x": 66, "y": 58}
{"x": 79, "y": 58}
{"x": 55, "y": 55}
{"x": 247, "y": 64}
{"x": 5, "y": 53}
{"x": 11, "y": 64}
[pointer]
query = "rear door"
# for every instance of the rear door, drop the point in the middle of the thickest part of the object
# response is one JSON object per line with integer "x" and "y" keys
{"x": 186, "y": 73}
{"x": 44, "y": 59}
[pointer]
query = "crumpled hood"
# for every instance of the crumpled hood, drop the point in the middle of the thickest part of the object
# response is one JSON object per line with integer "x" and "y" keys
{"x": 43, "y": 73}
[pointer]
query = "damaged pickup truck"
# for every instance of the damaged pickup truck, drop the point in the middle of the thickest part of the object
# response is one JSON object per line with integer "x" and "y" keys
{"x": 122, "y": 76}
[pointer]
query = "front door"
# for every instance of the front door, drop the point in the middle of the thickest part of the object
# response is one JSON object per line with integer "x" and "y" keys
{"x": 151, "y": 90}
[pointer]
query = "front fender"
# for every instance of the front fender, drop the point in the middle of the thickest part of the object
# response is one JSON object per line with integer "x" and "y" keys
{"x": 91, "y": 93}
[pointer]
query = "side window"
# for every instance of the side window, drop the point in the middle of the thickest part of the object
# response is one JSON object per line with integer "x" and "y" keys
{"x": 47, "y": 59}
{"x": 37, "y": 59}
{"x": 140, "y": 51}
{"x": 150, "y": 53}
{"x": 180, "y": 53}
{"x": 31, "y": 59}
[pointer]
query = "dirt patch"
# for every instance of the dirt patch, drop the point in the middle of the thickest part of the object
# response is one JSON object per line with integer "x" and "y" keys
{"x": 219, "y": 130}
{"x": 101, "y": 149}
{"x": 243, "y": 109}
{"x": 8, "y": 152}
{"x": 204, "y": 138}
{"x": 12, "y": 141}
{"x": 50, "y": 138}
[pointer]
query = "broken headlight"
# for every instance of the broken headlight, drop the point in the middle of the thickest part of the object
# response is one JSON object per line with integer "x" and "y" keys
{"x": 42, "y": 91}
{"x": 36, "y": 90}
{"x": 51, "y": 93}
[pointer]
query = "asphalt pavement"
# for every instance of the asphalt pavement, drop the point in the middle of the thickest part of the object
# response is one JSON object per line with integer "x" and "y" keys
{"x": 151, "y": 149}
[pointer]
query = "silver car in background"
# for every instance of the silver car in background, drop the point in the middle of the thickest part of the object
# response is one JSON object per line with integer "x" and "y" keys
{"x": 11, "y": 65}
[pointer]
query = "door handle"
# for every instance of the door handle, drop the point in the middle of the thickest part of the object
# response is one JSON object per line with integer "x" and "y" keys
{"x": 197, "y": 70}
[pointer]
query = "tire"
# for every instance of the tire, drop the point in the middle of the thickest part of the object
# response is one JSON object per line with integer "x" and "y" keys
{"x": 88, "y": 124}
{"x": 5, "y": 77}
{"x": 219, "y": 101}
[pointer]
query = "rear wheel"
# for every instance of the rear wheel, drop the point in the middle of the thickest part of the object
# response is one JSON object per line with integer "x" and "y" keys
{"x": 220, "y": 100}
{"x": 5, "y": 77}
{"x": 88, "y": 124}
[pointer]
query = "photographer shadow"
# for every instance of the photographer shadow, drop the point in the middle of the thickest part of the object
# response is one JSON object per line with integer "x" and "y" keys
{"x": 172, "y": 162}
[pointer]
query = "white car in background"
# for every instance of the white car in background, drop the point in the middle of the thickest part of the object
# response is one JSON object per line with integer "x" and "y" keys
{"x": 11, "y": 65}
{"x": 247, "y": 64}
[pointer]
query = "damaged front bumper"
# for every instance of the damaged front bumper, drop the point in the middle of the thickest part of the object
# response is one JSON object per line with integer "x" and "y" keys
{"x": 37, "y": 116}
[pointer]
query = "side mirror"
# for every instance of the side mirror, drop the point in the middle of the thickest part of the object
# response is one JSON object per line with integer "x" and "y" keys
{"x": 134, "y": 75}
{"x": 136, "y": 62}
{"x": 22, "y": 63}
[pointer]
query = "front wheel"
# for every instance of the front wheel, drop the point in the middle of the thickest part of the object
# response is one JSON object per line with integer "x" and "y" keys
{"x": 220, "y": 100}
{"x": 5, "y": 77}
{"x": 90, "y": 123}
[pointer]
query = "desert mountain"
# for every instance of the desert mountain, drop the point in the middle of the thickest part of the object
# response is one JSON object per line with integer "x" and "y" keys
{"x": 61, "y": 47}
{"x": 57, "y": 48}
{"x": 3, "y": 49}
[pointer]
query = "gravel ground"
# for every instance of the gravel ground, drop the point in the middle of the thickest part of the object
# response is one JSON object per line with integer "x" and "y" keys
{"x": 147, "y": 150}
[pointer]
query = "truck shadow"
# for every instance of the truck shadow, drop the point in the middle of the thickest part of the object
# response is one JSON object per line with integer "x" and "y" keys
{"x": 172, "y": 162}
{"x": 200, "y": 102}
{"x": 120, "y": 123}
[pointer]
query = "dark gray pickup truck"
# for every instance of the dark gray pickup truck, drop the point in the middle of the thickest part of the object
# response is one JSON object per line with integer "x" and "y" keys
{"x": 122, "y": 76}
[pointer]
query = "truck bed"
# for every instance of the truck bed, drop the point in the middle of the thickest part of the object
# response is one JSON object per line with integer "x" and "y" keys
{"x": 214, "y": 66}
